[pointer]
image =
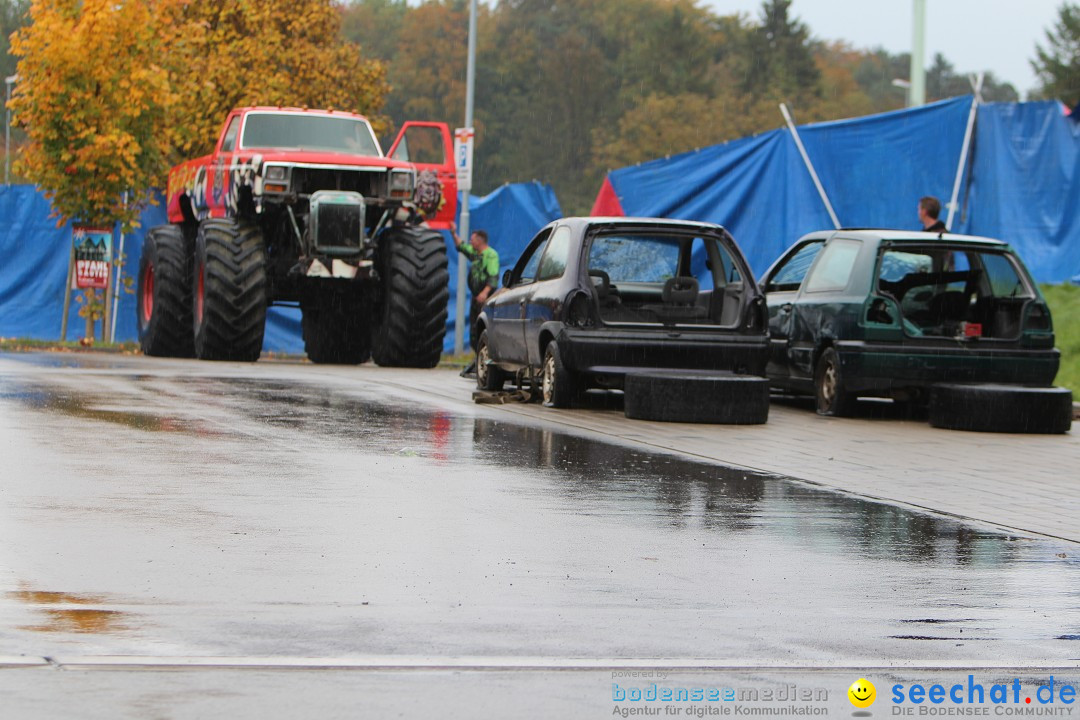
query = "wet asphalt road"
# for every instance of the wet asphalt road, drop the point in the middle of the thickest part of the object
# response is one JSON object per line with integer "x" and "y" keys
{"x": 168, "y": 509}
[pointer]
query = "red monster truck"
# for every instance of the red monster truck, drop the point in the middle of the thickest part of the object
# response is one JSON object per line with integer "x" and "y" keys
{"x": 301, "y": 207}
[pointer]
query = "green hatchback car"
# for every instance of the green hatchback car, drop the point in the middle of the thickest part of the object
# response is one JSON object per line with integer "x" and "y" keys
{"x": 888, "y": 313}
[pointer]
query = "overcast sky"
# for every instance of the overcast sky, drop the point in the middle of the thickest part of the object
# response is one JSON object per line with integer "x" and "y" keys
{"x": 974, "y": 35}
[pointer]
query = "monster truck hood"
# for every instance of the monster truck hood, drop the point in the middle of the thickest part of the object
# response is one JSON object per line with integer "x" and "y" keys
{"x": 312, "y": 157}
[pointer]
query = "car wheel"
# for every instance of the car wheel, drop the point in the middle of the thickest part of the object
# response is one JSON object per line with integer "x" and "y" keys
{"x": 1001, "y": 408}
{"x": 556, "y": 382}
{"x": 832, "y": 397}
{"x": 488, "y": 376}
{"x": 696, "y": 397}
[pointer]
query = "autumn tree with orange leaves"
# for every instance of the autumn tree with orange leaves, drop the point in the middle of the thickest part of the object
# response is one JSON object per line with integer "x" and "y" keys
{"x": 94, "y": 100}
{"x": 113, "y": 92}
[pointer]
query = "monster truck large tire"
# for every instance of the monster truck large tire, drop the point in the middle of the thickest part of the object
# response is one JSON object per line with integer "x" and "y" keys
{"x": 229, "y": 291}
{"x": 696, "y": 397}
{"x": 163, "y": 293}
{"x": 415, "y": 280}
{"x": 1001, "y": 408}
{"x": 337, "y": 329}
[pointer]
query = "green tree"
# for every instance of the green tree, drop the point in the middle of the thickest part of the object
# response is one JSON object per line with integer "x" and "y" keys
{"x": 1057, "y": 65}
{"x": 428, "y": 73}
{"x": 13, "y": 15}
{"x": 942, "y": 81}
{"x": 779, "y": 58}
{"x": 374, "y": 25}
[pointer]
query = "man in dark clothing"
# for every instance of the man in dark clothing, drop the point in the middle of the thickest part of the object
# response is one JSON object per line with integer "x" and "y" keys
{"x": 483, "y": 273}
{"x": 929, "y": 209}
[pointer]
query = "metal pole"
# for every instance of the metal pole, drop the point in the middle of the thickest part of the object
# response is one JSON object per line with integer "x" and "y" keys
{"x": 963, "y": 160}
{"x": 462, "y": 275}
{"x": 67, "y": 293}
{"x": 8, "y": 82}
{"x": 918, "y": 54}
{"x": 809, "y": 165}
{"x": 118, "y": 264}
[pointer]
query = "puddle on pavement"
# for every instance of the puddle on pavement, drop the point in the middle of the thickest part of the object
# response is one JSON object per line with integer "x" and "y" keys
{"x": 642, "y": 484}
{"x": 91, "y": 407}
{"x": 71, "y": 613}
{"x": 744, "y": 518}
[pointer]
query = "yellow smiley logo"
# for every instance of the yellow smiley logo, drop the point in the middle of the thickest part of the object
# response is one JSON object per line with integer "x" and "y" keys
{"x": 862, "y": 693}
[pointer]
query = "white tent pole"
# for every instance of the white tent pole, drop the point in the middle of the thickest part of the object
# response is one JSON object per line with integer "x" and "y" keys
{"x": 809, "y": 165}
{"x": 963, "y": 161}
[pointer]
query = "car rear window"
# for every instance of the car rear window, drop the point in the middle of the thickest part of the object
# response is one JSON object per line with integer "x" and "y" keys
{"x": 939, "y": 269}
{"x": 636, "y": 258}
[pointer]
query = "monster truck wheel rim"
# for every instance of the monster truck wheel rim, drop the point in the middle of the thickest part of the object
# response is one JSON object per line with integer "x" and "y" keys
{"x": 148, "y": 292}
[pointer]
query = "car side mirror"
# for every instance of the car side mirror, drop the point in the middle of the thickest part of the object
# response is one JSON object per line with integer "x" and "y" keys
{"x": 506, "y": 279}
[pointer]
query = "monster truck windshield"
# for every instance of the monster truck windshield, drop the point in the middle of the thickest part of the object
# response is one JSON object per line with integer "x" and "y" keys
{"x": 309, "y": 132}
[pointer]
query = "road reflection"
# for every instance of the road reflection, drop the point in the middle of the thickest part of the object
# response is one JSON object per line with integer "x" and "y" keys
{"x": 737, "y": 500}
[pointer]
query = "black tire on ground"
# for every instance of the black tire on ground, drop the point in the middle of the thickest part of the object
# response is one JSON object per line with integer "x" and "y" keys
{"x": 336, "y": 328}
{"x": 412, "y": 321}
{"x": 488, "y": 376}
{"x": 1001, "y": 408}
{"x": 831, "y": 396}
{"x": 558, "y": 386}
{"x": 696, "y": 397}
{"x": 163, "y": 294}
{"x": 229, "y": 296}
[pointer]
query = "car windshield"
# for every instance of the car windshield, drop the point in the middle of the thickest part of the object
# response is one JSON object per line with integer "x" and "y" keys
{"x": 309, "y": 132}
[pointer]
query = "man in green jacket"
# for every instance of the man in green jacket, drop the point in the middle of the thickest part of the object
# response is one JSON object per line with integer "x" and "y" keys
{"x": 483, "y": 273}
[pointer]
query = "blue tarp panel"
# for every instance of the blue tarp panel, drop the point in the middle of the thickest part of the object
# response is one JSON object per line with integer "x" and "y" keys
{"x": 1022, "y": 182}
{"x": 1026, "y": 184}
{"x": 34, "y": 258}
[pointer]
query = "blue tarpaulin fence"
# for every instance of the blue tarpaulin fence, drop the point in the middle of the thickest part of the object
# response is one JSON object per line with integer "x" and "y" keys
{"x": 34, "y": 260}
{"x": 1021, "y": 183}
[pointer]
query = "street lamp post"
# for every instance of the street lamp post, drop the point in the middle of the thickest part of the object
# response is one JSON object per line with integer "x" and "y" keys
{"x": 917, "y": 94}
{"x": 470, "y": 82}
{"x": 8, "y": 82}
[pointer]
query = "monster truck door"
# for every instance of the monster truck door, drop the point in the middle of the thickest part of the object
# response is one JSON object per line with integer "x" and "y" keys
{"x": 428, "y": 146}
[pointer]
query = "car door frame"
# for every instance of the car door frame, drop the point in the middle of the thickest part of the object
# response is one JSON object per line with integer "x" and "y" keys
{"x": 817, "y": 317}
{"x": 544, "y": 301}
{"x": 781, "y": 308}
{"x": 506, "y": 309}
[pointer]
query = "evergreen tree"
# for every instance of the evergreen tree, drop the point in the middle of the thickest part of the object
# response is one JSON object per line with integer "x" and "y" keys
{"x": 780, "y": 57}
{"x": 1058, "y": 64}
{"x": 13, "y": 15}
